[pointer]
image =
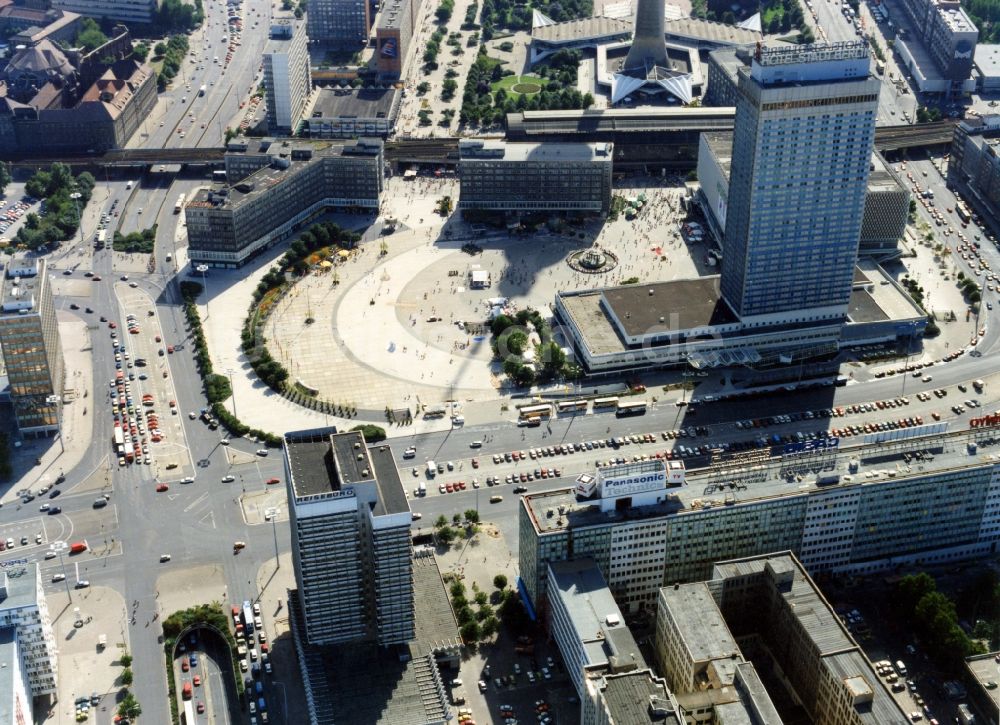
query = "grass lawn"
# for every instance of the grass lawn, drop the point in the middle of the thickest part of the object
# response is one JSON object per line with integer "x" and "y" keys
{"x": 526, "y": 85}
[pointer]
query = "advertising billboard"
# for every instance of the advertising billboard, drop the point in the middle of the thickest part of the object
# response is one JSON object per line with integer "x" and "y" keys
{"x": 630, "y": 480}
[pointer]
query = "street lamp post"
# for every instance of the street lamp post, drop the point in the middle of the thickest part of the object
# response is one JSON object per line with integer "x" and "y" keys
{"x": 203, "y": 268}
{"x": 273, "y": 513}
{"x": 60, "y": 548}
{"x": 75, "y": 196}
{"x": 56, "y": 400}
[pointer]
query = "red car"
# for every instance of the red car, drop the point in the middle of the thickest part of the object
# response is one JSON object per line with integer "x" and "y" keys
{"x": 161, "y": 487}
{"x": 158, "y": 339}
{"x": 201, "y": 708}
{"x": 272, "y": 481}
{"x": 170, "y": 349}
{"x": 197, "y": 681}
{"x": 185, "y": 666}
{"x": 112, "y": 325}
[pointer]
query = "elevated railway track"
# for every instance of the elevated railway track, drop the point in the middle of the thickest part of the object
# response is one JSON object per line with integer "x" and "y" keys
{"x": 665, "y": 141}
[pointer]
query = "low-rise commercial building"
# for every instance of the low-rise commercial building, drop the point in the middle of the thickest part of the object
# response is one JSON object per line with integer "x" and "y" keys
{"x": 287, "y": 84}
{"x": 772, "y": 608}
{"x": 31, "y": 25}
{"x": 51, "y": 100}
{"x": 352, "y": 113}
{"x": 138, "y": 12}
{"x": 974, "y": 167}
{"x": 865, "y": 509}
{"x": 275, "y": 188}
{"x": 29, "y": 342}
{"x": 24, "y": 610}
{"x": 351, "y": 546}
{"x": 523, "y": 178}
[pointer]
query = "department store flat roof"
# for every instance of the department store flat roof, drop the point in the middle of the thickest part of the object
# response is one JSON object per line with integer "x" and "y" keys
{"x": 879, "y": 463}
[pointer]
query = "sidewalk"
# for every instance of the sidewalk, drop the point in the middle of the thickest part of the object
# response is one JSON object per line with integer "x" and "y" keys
{"x": 84, "y": 667}
{"x": 77, "y": 426}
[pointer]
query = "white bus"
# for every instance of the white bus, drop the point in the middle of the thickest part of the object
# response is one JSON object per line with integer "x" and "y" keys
{"x": 536, "y": 411}
{"x": 573, "y": 406}
{"x": 101, "y": 239}
{"x": 605, "y": 403}
{"x": 637, "y": 407}
{"x": 179, "y": 206}
{"x": 189, "y": 716}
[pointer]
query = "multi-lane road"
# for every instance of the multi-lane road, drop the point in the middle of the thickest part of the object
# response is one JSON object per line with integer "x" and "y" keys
{"x": 197, "y": 523}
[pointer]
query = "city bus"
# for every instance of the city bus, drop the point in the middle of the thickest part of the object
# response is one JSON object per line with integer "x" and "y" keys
{"x": 573, "y": 406}
{"x": 536, "y": 411}
{"x": 189, "y": 716}
{"x": 101, "y": 239}
{"x": 605, "y": 403}
{"x": 179, "y": 206}
{"x": 637, "y": 407}
{"x": 963, "y": 212}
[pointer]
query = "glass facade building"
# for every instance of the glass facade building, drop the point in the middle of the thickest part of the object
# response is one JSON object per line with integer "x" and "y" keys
{"x": 29, "y": 341}
{"x": 804, "y": 129}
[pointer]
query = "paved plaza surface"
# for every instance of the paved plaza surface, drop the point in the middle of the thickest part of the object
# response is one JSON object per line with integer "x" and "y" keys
{"x": 385, "y": 329}
{"x": 85, "y": 667}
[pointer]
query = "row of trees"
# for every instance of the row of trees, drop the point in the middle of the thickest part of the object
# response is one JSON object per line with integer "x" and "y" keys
{"x": 217, "y": 387}
{"x": 295, "y": 262}
{"x": 172, "y": 53}
{"x": 62, "y": 213}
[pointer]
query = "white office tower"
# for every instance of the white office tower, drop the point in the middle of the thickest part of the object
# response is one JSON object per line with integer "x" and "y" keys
{"x": 287, "y": 81}
{"x": 351, "y": 543}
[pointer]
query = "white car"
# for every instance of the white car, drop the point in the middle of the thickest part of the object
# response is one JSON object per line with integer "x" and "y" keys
{"x": 228, "y": 479}
{"x": 187, "y": 479}
{"x": 164, "y": 557}
{"x": 50, "y": 555}
{"x": 44, "y": 507}
{"x": 192, "y": 415}
{"x": 262, "y": 452}
{"x": 58, "y": 577}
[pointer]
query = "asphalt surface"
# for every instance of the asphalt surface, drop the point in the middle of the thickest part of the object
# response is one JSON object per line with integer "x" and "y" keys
{"x": 197, "y": 523}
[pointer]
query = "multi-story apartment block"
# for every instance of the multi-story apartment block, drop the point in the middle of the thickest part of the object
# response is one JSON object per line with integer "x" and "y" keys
{"x": 887, "y": 200}
{"x": 769, "y": 605}
{"x": 287, "y": 83}
{"x": 802, "y": 144}
{"x": 394, "y": 28}
{"x": 351, "y": 544}
{"x": 139, "y": 12}
{"x": 23, "y": 608}
{"x": 29, "y": 342}
{"x": 868, "y": 508}
{"x": 340, "y": 23}
{"x": 286, "y": 184}
{"x": 949, "y": 37}
{"x": 974, "y": 168}
{"x": 521, "y": 178}
{"x": 602, "y": 658}
{"x": 15, "y": 700}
